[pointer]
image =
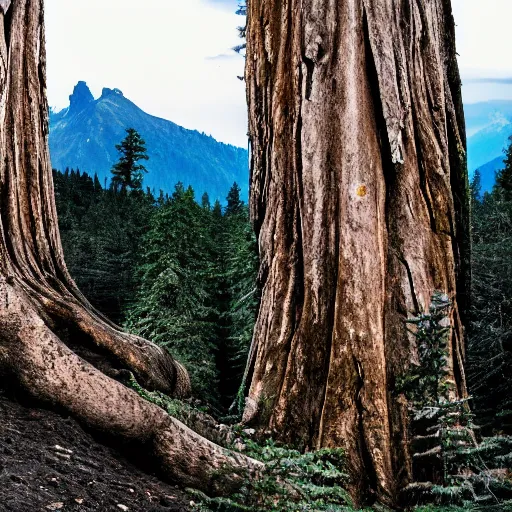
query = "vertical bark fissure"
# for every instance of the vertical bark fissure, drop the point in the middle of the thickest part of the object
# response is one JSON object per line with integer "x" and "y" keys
{"x": 331, "y": 340}
{"x": 392, "y": 249}
{"x": 370, "y": 474}
{"x": 310, "y": 69}
{"x": 405, "y": 263}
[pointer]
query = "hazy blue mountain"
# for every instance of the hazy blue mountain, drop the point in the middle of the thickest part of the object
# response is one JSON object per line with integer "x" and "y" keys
{"x": 489, "y": 126}
{"x": 488, "y": 173}
{"x": 84, "y": 136}
{"x": 481, "y": 115}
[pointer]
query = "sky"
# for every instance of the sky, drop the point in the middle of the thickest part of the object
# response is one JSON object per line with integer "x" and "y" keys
{"x": 484, "y": 42}
{"x": 173, "y": 58}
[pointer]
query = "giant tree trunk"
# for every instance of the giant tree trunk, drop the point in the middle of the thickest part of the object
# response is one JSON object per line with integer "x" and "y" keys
{"x": 49, "y": 334}
{"x": 359, "y": 199}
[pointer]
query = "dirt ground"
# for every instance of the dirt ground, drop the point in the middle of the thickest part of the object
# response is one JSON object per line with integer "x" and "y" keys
{"x": 48, "y": 462}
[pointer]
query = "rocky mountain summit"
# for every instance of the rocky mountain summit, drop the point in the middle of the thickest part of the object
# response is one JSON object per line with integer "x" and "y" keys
{"x": 84, "y": 136}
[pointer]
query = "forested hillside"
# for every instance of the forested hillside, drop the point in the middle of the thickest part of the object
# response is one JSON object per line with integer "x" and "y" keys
{"x": 177, "y": 271}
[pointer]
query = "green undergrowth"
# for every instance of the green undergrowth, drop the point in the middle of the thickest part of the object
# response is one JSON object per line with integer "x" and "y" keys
{"x": 504, "y": 507}
{"x": 178, "y": 409}
{"x": 291, "y": 482}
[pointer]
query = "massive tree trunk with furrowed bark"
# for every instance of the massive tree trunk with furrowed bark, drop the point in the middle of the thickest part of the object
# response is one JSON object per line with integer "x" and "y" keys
{"x": 359, "y": 199}
{"x": 52, "y": 342}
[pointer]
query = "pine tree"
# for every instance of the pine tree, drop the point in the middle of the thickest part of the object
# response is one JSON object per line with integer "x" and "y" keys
{"x": 235, "y": 204}
{"x": 217, "y": 209}
{"x": 128, "y": 172}
{"x": 205, "y": 201}
{"x": 174, "y": 306}
{"x": 476, "y": 187}
{"x": 504, "y": 177}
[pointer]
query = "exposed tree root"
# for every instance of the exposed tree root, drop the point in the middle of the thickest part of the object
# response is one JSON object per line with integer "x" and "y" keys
{"x": 32, "y": 354}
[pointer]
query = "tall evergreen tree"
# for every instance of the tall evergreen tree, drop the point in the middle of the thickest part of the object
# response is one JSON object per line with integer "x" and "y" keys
{"x": 504, "y": 177}
{"x": 174, "y": 307}
{"x": 205, "y": 201}
{"x": 476, "y": 187}
{"x": 234, "y": 203}
{"x": 490, "y": 340}
{"x": 128, "y": 172}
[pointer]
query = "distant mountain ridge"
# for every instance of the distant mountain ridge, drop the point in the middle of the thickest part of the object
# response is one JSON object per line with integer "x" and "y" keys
{"x": 489, "y": 126}
{"x": 83, "y": 136}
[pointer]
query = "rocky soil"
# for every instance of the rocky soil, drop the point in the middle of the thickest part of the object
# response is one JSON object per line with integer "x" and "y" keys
{"x": 48, "y": 462}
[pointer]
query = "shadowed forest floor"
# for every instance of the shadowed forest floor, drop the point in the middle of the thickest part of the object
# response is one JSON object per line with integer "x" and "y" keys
{"x": 48, "y": 462}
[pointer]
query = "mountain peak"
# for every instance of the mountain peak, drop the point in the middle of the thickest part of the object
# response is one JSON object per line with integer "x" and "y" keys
{"x": 106, "y": 92}
{"x": 85, "y": 136}
{"x": 81, "y": 97}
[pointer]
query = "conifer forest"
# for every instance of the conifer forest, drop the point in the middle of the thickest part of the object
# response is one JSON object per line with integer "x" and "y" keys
{"x": 340, "y": 342}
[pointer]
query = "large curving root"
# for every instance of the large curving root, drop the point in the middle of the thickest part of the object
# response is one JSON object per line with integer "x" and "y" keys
{"x": 50, "y": 371}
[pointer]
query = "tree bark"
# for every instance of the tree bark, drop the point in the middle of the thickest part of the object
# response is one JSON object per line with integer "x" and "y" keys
{"x": 359, "y": 200}
{"x": 41, "y": 307}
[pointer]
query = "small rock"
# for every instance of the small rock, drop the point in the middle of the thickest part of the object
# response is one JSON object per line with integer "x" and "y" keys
{"x": 240, "y": 445}
{"x": 55, "y": 506}
{"x": 79, "y": 500}
{"x": 122, "y": 507}
{"x": 61, "y": 449}
{"x": 131, "y": 490}
{"x": 222, "y": 428}
{"x": 249, "y": 431}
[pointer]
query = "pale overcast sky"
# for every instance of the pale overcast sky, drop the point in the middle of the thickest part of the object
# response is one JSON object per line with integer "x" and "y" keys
{"x": 173, "y": 57}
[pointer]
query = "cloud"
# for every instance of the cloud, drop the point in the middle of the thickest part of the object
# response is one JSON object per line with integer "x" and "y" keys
{"x": 488, "y": 80}
{"x": 484, "y": 37}
{"x": 232, "y": 55}
{"x": 171, "y": 58}
{"x": 226, "y": 4}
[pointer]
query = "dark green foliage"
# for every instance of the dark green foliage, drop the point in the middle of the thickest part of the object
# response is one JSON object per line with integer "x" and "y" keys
{"x": 196, "y": 293}
{"x": 426, "y": 385}
{"x": 240, "y": 277}
{"x": 490, "y": 334}
{"x": 235, "y": 204}
{"x": 291, "y": 482}
{"x": 504, "y": 177}
{"x": 237, "y": 297}
{"x": 174, "y": 307}
{"x": 451, "y": 466}
{"x": 101, "y": 232}
{"x": 128, "y": 172}
{"x": 476, "y": 187}
{"x": 185, "y": 272}
{"x": 205, "y": 202}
